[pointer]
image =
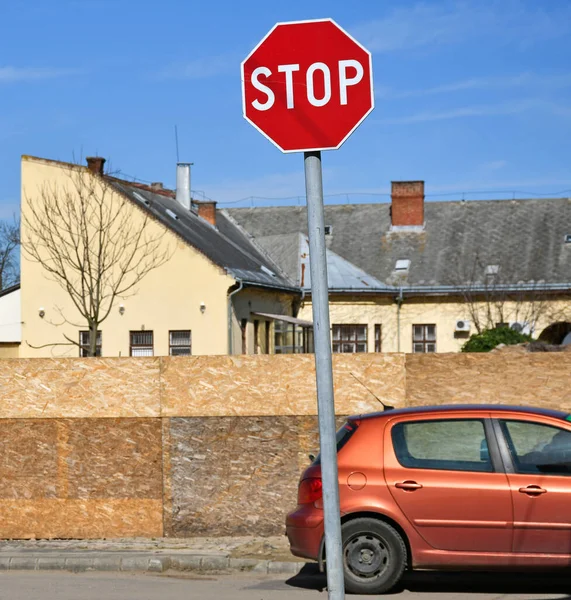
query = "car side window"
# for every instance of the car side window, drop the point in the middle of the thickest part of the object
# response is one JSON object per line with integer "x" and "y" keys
{"x": 451, "y": 444}
{"x": 538, "y": 448}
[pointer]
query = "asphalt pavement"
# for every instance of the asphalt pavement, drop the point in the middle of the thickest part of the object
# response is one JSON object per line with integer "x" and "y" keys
{"x": 307, "y": 585}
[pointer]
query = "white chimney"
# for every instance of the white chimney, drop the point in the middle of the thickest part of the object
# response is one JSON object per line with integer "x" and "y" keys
{"x": 183, "y": 184}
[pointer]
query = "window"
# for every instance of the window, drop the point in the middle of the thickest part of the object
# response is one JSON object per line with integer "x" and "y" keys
{"x": 537, "y": 448}
{"x": 290, "y": 338}
{"x": 452, "y": 445}
{"x": 328, "y": 230}
{"x": 349, "y": 338}
{"x": 378, "y": 338}
{"x": 180, "y": 343}
{"x": 84, "y": 339}
{"x": 344, "y": 434}
{"x": 403, "y": 265}
{"x": 141, "y": 343}
{"x": 424, "y": 338}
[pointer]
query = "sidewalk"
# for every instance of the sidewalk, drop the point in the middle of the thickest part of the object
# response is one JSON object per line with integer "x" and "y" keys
{"x": 247, "y": 553}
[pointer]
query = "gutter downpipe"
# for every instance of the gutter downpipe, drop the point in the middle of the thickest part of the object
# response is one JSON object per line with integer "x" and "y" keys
{"x": 230, "y": 336}
{"x": 399, "y": 301}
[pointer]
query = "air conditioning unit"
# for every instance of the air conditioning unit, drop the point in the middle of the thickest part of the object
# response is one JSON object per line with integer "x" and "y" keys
{"x": 462, "y": 325}
{"x": 521, "y": 327}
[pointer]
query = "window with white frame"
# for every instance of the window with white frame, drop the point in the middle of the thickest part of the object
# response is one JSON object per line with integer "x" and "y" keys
{"x": 349, "y": 338}
{"x": 423, "y": 338}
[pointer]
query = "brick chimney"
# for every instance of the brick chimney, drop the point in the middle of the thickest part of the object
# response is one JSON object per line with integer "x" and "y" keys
{"x": 407, "y": 203}
{"x": 95, "y": 164}
{"x": 206, "y": 210}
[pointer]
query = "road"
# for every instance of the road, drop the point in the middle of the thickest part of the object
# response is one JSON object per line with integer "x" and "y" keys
{"x": 180, "y": 586}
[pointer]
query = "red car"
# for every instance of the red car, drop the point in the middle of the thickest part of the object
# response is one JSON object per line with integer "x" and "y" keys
{"x": 477, "y": 486}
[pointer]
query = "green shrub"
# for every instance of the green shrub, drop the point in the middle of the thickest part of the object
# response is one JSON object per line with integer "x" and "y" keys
{"x": 490, "y": 338}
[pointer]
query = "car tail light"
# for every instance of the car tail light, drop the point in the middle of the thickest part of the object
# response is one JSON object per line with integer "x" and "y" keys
{"x": 310, "y": 490}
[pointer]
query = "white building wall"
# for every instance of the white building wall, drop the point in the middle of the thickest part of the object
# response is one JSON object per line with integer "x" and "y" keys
{"x": 10, "y": 317}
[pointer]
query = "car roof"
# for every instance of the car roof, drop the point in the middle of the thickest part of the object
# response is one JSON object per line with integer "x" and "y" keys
{"x": 445, "y": 408}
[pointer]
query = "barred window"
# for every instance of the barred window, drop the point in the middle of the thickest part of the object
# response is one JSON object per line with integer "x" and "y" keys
{"x": 141, "y": 343}
{"x": 84, "y": 343}
{"x": 180, "y": 343}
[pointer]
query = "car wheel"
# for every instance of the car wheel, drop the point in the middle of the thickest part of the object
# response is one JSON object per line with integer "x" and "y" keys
{"x": 374, "y": 556}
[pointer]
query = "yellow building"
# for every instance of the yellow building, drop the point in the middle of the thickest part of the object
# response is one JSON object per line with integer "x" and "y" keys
{"x": 408, "y": 276}
{"x": 416, "y": 276}
{"x": 215, "y": 292}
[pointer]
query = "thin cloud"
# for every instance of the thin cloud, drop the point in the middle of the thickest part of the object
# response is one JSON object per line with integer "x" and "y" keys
{"x": 509, "y": 81}
{"x": 482, "y": 110}
{"x": 495, "y": 165}
{"x": 30, "y": 74}
{"x": 455, "y": 21}
{"x": 201, "y": 68}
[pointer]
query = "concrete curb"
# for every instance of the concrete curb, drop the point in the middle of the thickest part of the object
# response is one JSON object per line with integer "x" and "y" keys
{"x": 152, "y": 563}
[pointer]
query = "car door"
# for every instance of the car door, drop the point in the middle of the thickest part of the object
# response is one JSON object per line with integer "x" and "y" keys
{"x": 447, "y": 477}
{"x": 538, "y": 461}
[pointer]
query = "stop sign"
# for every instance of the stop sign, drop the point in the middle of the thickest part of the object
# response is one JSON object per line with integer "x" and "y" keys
{"x": 307, "y": 85}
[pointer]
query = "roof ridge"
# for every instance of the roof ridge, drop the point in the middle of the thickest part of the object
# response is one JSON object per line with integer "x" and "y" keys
{"x": 252, "y": 241}
{"x": 143, "y": 186}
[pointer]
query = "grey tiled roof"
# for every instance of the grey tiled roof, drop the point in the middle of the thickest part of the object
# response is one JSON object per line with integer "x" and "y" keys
{"x": 225, "y": 245}
{"x": 526, "y": 238}
{"x": 291, "y": 253}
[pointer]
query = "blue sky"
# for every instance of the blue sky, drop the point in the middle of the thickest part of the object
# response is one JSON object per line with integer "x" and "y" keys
{"x": 470, "y": 96}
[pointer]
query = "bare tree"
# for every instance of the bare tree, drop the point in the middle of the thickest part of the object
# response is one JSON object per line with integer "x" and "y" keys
{"x": 494, "y": 293}
{"x": 9, "y": 245}
{"x": 96, "y": 244}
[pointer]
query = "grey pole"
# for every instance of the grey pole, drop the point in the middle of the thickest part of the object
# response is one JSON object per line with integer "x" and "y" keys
{"x": 324, "y": 373}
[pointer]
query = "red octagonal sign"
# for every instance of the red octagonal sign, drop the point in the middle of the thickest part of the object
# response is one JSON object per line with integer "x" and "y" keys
{"x": 307, "y": 85}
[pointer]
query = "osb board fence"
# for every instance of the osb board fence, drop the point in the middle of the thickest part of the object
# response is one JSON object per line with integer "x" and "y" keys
{"x": 80, "y": 478}
{"x": 196, "y": 386}
{"x": 536, "y": 379}
{"x": 150, "y": 477}
{"x": 207, "y": 445}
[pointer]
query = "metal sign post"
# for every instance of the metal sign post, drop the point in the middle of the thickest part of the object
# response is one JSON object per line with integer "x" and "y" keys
{"x": 307, "y": 86}
{"x": 324, "y": 374}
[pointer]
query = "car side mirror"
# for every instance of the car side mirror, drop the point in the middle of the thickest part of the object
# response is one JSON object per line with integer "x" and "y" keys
{"x": 484, "y": 452}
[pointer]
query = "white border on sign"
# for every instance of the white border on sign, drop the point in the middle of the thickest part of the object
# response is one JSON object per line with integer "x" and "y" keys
{"x": 299, "y": 23}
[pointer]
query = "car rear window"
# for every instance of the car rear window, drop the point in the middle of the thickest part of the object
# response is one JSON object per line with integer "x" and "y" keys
{"x": 343, "y": 435}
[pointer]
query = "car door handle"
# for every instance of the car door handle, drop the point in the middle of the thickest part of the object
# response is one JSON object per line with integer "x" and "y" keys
{"x": 532, "y": 490}
{"x": 408, "y": 485}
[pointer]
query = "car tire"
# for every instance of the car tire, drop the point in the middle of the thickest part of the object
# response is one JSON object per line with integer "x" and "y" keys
{"x": 374, "y": 556}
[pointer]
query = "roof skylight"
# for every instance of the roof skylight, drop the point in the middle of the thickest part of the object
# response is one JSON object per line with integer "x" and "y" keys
{"x": 268, "y": 271}
{"x": 403, "y": 264}
{"x": 141, "y": 198}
